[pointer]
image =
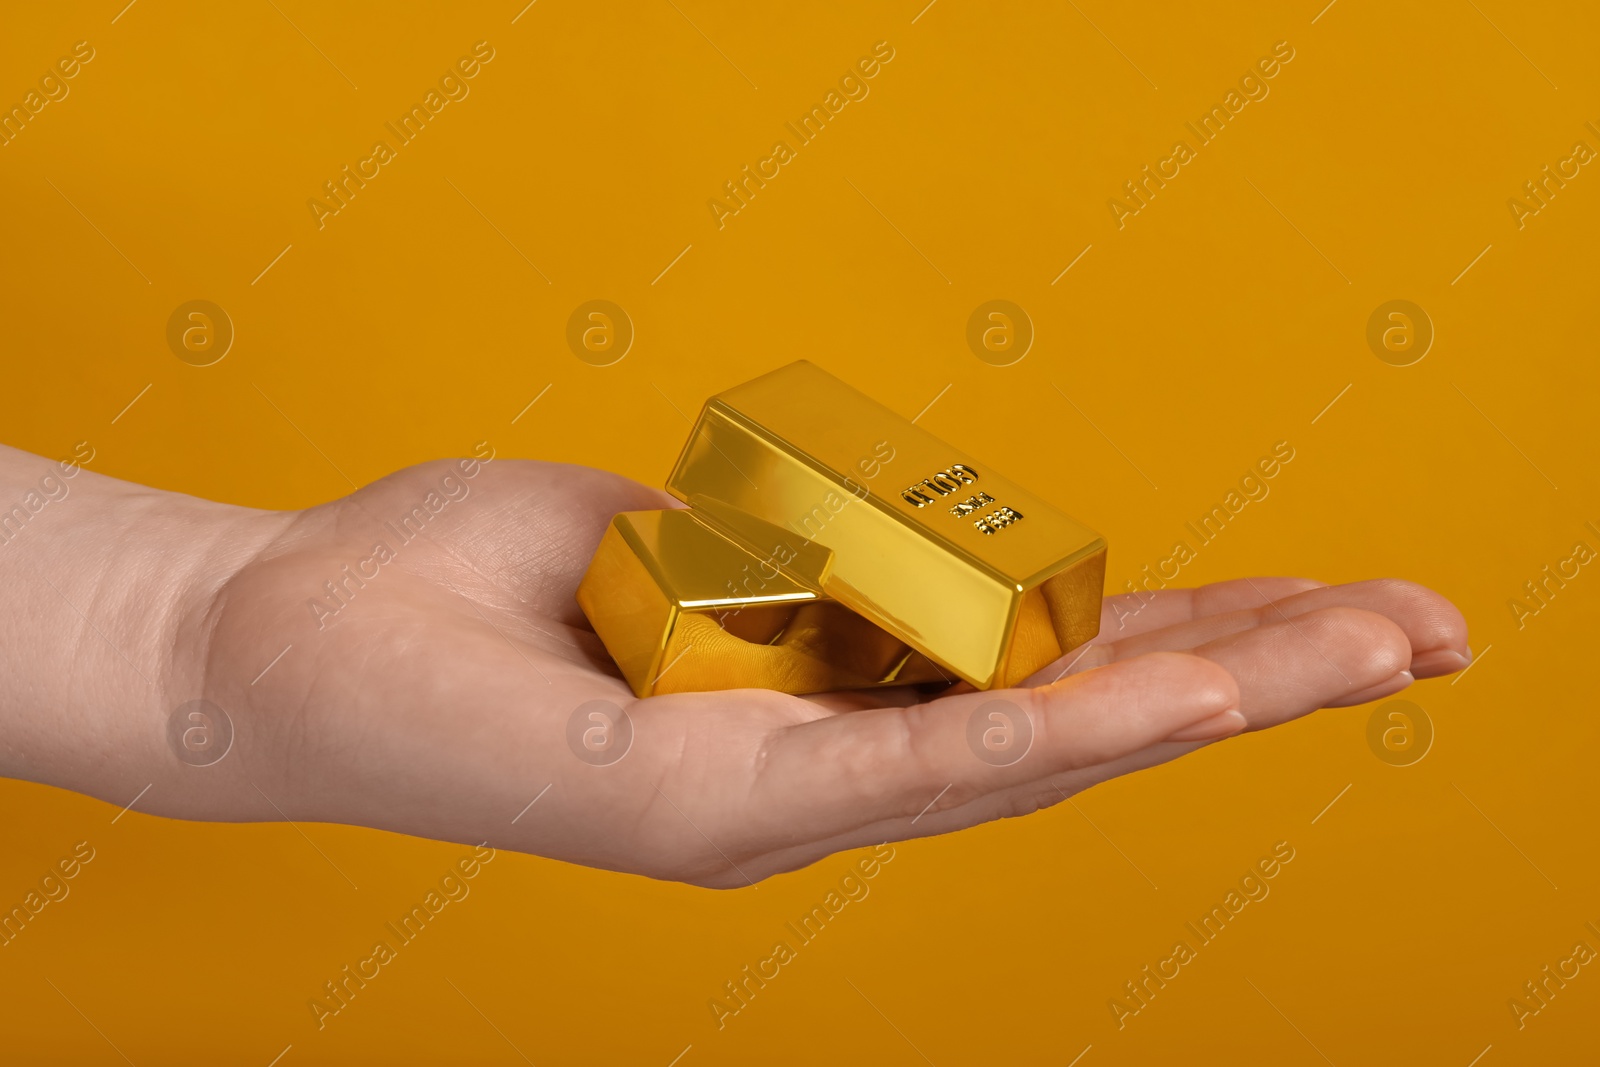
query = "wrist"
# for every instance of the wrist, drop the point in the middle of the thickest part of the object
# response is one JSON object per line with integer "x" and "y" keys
{"x": 111, "y": 587}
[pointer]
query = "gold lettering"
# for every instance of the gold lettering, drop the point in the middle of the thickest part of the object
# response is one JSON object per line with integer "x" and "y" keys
{"x": 942, "y": 482}
{"x": 966, "y": 507}
{"x": 997, "y": 520}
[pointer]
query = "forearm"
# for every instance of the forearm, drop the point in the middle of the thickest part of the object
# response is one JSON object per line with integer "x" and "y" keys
{"x": 106, "y": 585}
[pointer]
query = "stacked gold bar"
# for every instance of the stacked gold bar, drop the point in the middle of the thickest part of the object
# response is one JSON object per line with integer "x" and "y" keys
{"x": 831, "y": 544}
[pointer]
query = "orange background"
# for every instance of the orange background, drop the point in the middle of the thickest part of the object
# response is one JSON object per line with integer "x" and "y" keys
{"x": 1224, "y": 317}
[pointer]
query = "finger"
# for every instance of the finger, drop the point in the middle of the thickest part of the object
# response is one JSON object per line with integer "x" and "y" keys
{"x": 1130, "y": 614}
{"x": 1284, "y": 671}
{"x": 1434, "y": 629}
{"x": 833, "y": 774}
{"x": 1297, "y": 665}
{"x": 1124, "y": 616}
{"x": 1288, "y": 670}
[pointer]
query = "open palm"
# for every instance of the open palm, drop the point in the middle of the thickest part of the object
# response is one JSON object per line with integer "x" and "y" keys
{"x": 434, "y": 692}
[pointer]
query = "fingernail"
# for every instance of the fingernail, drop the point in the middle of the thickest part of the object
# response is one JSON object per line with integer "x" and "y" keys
{"x": 1222, "y": 724}
{"x": 1376, "y": 692}
{"x": 1439, "y": 661}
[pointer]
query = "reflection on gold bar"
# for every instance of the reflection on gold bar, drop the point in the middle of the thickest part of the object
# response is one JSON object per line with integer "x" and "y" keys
{"x": 929, "y": 543}
{"x": 683, "y": 606}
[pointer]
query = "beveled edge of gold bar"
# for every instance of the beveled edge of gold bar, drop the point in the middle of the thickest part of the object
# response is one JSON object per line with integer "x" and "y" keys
{"x": 793, "y": 640}
{"x": 605, "y": 573}
{"x": 1098, "y": 546}
{"x": 626, "y": 564}
{"x": 808, "y": 565}
{"x": 1070, "y": 625}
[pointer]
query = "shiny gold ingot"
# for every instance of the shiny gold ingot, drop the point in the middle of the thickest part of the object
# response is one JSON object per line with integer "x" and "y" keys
{"x": 928, "y": 543}
{"x": 683, "y": 606}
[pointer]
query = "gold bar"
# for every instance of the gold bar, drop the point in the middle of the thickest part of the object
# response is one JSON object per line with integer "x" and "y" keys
{"x": 683, "y": 606}
{"x": 928, "y": 543}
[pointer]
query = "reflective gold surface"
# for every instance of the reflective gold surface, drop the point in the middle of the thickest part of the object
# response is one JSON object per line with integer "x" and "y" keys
{"x": 928, "y": 542}
{"x": 684, "y": 606}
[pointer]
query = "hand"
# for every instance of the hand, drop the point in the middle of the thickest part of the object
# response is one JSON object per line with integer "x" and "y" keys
{"x": 433, "y": 698}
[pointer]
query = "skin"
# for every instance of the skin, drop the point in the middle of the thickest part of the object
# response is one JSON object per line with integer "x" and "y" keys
{"x": 436, "y": 701}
